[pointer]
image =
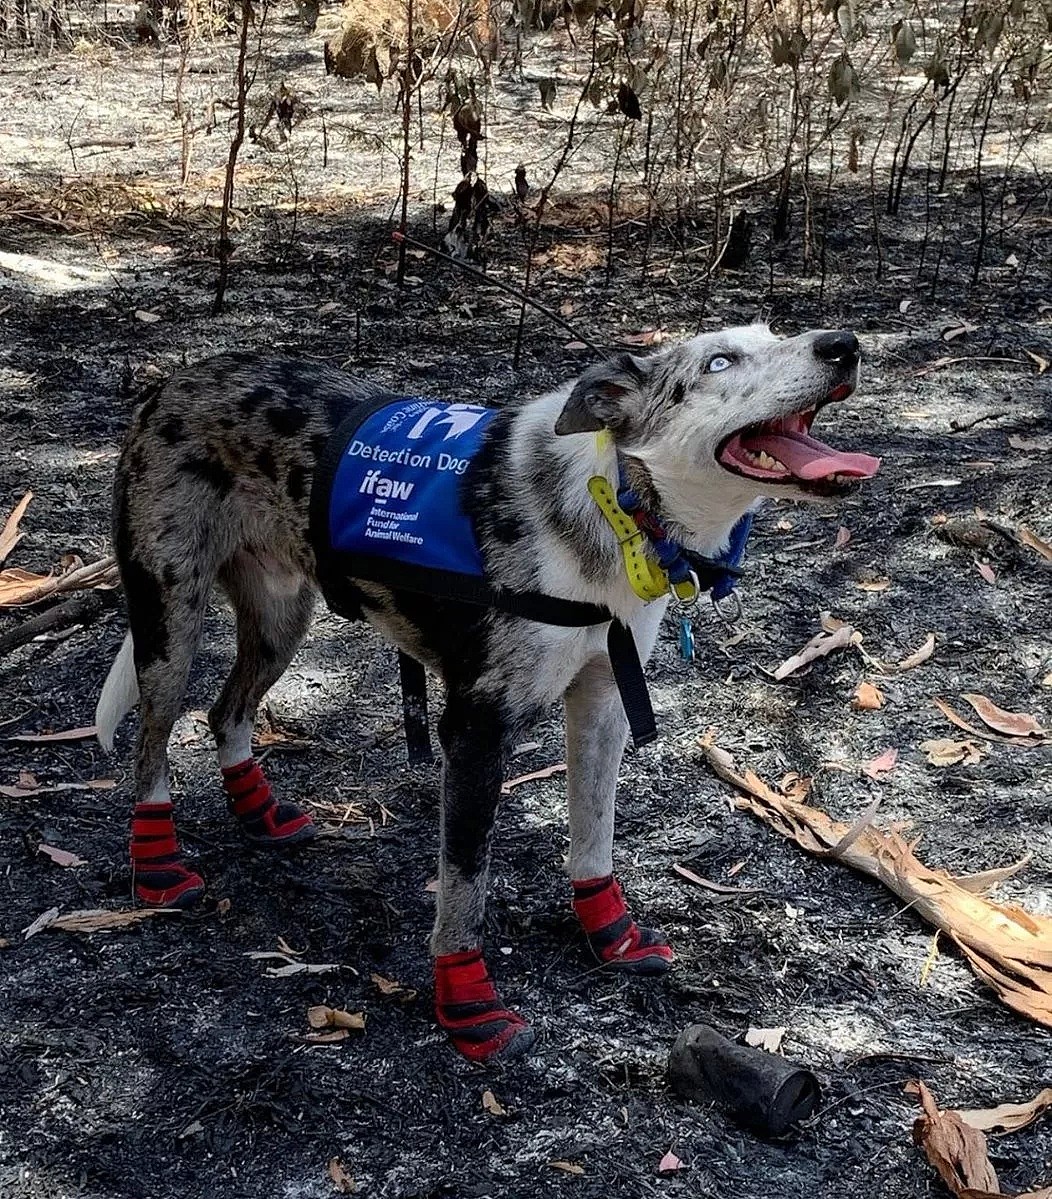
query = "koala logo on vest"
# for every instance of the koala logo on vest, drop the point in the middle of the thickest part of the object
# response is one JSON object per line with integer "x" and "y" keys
{"x": 459, "y": 417}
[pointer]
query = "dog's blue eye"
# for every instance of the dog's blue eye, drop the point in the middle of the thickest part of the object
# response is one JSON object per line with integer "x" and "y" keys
{"x": 719, "y": 363}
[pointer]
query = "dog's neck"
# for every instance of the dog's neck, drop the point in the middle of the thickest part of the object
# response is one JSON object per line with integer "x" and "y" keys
{"x": 583, "y": 559}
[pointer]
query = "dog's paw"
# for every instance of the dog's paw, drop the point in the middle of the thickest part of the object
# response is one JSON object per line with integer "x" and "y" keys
{"x": 468, "y": 1007}
{"x": 613, "y": 936}
{"x": 264, "y": 820}
{"x": 647, "y": 954}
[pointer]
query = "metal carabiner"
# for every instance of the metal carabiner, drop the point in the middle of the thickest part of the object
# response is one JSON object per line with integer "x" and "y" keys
{"x": 728, "y": 609}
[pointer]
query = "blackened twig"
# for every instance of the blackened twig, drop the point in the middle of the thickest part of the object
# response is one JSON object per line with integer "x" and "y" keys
{"x": 404, "y": 238}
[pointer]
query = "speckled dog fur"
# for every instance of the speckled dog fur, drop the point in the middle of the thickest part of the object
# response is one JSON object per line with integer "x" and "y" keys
{"x": 213, "y": 487}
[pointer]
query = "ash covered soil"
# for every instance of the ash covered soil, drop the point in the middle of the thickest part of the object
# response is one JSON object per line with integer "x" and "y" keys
{"x": 158, "y": 1061}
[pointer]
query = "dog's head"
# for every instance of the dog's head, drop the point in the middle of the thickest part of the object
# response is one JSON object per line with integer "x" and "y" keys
{"x": 726, "y": 417}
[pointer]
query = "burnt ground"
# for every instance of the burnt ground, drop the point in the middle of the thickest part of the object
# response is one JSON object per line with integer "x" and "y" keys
{"x": 157, "y": 1062}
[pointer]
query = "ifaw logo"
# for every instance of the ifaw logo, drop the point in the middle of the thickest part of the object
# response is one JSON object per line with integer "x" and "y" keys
{"x": 375, "y": 484}
{"x": 459, "y": 417}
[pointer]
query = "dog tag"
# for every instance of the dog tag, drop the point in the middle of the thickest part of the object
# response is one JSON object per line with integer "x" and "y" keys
{"x": 686, "y": 639}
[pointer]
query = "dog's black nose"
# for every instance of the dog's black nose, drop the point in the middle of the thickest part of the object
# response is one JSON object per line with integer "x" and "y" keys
{"x": 840, "y": 347}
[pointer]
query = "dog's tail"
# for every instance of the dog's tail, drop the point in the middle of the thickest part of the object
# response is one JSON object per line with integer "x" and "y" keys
{"x": 120, "y": 693}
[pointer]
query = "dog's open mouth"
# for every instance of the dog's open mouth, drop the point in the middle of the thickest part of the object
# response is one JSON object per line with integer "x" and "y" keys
{"x": 783, "y": 451}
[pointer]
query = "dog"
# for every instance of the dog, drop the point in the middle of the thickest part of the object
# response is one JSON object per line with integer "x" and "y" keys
{"x": 213, "y": 487}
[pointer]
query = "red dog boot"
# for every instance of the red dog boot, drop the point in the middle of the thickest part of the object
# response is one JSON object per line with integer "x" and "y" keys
{"x": 615, "y": 938}
{"x": 469, "y": 1009}
{"x": 263, "y": 819}
{"x": 159, "y": 876}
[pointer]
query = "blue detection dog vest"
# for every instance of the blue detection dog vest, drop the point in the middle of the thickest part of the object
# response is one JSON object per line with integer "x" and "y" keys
{"x": 386, "y": 507}
{"x": 395, "y": 493}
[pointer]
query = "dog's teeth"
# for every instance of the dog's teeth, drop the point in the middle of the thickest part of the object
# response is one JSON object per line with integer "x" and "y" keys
{"x": 768, "y": 463}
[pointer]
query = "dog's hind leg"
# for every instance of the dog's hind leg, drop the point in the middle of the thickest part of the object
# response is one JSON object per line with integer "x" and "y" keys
{"x": 596, "y": 732}
{"x": 475, "y": 744}
{"x": 166, "y": 605}
{"x": 273, "y": 606}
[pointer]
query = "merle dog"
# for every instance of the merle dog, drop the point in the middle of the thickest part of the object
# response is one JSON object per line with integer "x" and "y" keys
{"x": 213, "y": 487}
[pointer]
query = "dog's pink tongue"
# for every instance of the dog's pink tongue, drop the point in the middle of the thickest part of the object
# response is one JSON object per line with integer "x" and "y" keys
{"x": 808, "y": 458}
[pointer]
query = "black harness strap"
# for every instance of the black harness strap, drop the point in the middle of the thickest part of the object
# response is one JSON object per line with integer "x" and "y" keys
{"x": 631, "y": 683}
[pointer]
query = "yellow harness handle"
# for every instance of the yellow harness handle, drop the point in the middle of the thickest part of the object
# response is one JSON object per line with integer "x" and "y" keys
{"x": 647, "y": 579}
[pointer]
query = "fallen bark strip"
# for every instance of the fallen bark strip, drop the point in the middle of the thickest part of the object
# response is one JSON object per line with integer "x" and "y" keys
{"x": 19, "y": 588}
{"x": 1008, "y": 948}
{"x": 954, "y": 1143}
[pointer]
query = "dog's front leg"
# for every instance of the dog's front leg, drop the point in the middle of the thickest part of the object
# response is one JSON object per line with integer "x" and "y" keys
{"x": 596, "y": 732}
{"x": 475, "y": 743}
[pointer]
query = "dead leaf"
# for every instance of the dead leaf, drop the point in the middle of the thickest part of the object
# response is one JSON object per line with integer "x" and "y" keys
{"x": 708, "y": 884}
{"x": 820, "y": 645}
{"x": 69, "y": 735}
{"x": 492, "y": 1104}
{"x": 11, "y": 535}
{"x": 341, "y": 1180}
{"x": 767, "y": 1039}
{"x": 575, "y": 345}
{"x": 669, "y": 1164}
{"x": 987, "y": 571}
{"x": 983, "y": 734}
{"x": 881, "y": 584}
{"x": 957, "y": 329}
{"x": 843, "y": 536}
{"x": 649, "y": 337}
{"x": 957, "y": 1151}
{"x": 1030, "y": 538}
{"x": 393, "y": 990}
{"x": 285, "y": 947}
{"x": 148, "y": 318}
{"x": 330, "y": 1037}
{"x": 867, "y": 698}
{"x": 567, "y": 1167}
{"x": 61, "y": 857}
{"x": 1036, "y": 359}
{"x": 223, "y": 907}
{"x": 1009, "y": 1117}
{"x": 882, "y": 764}
{"x": 944, "y": 751}
{"x": 1009, "y": 949}
{"x": 920, "y": 655}
{"x": 1011, "y": 724}
{"x": 321, "y": 1016}
{"x": 545, "y": 773}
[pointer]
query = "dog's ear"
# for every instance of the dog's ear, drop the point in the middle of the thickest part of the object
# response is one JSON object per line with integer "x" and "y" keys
{"x": 599, "y": 399}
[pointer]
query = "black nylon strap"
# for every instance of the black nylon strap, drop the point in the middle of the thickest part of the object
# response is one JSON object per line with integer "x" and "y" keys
{"x": 631, "y": 683}
{"x": 414, "y": 710}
